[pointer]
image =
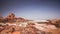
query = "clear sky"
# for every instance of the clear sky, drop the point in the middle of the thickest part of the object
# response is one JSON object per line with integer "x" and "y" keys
{"x": 31, "y": 9}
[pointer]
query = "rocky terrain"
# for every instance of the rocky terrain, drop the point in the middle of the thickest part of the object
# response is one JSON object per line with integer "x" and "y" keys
{"x": 14, "y": 25}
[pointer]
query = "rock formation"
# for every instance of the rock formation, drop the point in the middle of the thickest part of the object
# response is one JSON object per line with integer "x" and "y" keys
{"x": 12, "y": 18}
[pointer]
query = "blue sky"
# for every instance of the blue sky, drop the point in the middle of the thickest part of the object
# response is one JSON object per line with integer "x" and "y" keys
{"x": 31, "y": 9}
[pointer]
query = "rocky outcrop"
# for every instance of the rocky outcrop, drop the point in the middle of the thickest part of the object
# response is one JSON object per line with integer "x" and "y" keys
{"x": 11, "y": 18}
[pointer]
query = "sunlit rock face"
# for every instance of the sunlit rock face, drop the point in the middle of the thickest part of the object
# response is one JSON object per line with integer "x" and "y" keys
{"x": 23, "y": 24}
{"x": 24, "y": 28}
{"x": 44, "y": 27}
